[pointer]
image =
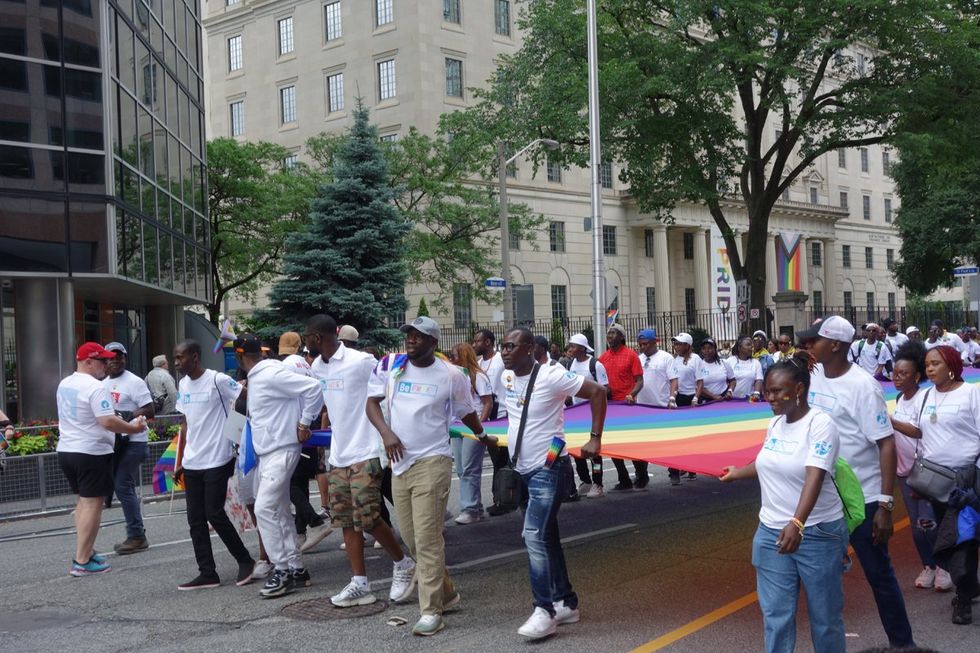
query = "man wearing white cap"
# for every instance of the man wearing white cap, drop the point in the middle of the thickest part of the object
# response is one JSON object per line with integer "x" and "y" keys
{"x": 914, "y": 334}
{"x": 759, "y": 351}
{"x": 873, "y": 355}
{"x": 585, "y": 365}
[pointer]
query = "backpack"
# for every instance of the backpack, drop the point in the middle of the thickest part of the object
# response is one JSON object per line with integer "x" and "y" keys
{"x": 888, "y": 364}
{"x": 850, "y": 492}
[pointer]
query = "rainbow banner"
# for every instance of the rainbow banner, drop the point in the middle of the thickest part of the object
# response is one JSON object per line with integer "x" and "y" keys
{"x": 789, "y": 266}
{"x": 704, "y": 439}
{"x": 163, "y": 471}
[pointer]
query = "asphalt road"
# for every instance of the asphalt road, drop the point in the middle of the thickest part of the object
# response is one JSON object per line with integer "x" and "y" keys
{"x": 664, "y": 569}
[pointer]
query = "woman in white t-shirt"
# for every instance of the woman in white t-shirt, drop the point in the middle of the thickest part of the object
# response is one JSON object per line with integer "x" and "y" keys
{"x": 802, "y": 534}
{"x": 686, "y": 365}
{"x": 950, "y": 428}
{"x": 716, "y": 380}
{"x": 908, "y": 372}
{"x": 747, "y": 371}
{"x": 468, "y": 453}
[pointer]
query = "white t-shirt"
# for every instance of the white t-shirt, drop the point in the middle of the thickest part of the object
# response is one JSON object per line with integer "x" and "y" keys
{"x": 714, "y": 376}
{"x": 971, "y": 351}
{"x": 582, "y": 369}
{"x": 344, "y": 383}
{"x": 897, "y": 341}
{"x": 953, "y": 439}
{"x": 789, "y": 449}
{"x": 421, "y": 404}
{"x": 129, "y": 392}
{"x": 869, "y": 356}
{"x": 206, "y": 402}
{"x": 746, "y": 374}
{"x": 494, "y": 367}
{"x": 947, "y": 338}
{"x": 81, "y": 399}
{"x": 687, "y": 373}
{"x": 907, "y": 410}
{"x": 856, "y": 403}
{"x": 658, "y": 372}
{"x": 298, "y": 364}
{"x": 545, "y": 413}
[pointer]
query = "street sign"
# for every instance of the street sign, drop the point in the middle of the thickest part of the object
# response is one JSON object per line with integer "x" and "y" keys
{"x": 754, "y": 314}
{"x": 966, "y": 271}
{"x": 496, "y": 282}
{"x": 612, "y": 294}
{"x": 743, "y": 314}
{"x": 743, "y": 294}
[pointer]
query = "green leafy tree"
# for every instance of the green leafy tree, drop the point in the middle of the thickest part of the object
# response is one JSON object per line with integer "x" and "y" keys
{"x": 348, "y": 261}
{"x": 254, "y": 204}
{"x": 725, "y": 103}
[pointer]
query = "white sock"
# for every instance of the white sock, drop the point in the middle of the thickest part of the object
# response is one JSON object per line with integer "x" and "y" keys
{"x": 405, "y": 563}
{"x": 360, "y": 581}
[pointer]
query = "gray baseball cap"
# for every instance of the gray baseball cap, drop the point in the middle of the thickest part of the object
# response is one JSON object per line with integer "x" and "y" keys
{"x": 422, "y": 324}
{"x": 117, "y": 346}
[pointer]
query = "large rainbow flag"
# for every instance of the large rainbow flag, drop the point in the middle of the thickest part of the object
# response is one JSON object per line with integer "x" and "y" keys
{"x": 704, "y": 439}
{"x": 163, "y": 471}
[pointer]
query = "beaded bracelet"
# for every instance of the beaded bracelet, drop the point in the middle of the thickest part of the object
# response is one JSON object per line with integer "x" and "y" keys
{"x": 796, "y": 522}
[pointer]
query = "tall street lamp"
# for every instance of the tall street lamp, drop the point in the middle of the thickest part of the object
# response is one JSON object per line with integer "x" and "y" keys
{"x": 502, "y": 163}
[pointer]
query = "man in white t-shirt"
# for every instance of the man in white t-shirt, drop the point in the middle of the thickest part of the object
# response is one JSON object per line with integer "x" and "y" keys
{"x": 542, "y": 460}
{"x": 971, "y": 346}
{"x": 130, "y": 398}
{"x": 893, "y": 336}
{"x": 356, "y": 473}
{"x": 422, "y": 393}
{"x": 484, "y": 343}
{"x": 585, "y": 365}
{"x": 870, "y": 353}
{"x": 205, "y": 462}
{"x": 86, "y": 426}
{"x": 856, "y": 403}
{"x": 938, "y": 335}
{"x": 659, "y": 375}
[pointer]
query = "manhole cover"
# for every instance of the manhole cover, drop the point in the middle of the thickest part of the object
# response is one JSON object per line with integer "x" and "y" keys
{"x": 324, "y": 610}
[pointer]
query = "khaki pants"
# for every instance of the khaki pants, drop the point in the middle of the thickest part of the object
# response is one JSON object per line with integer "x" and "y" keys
{"x": 421, "y": 494}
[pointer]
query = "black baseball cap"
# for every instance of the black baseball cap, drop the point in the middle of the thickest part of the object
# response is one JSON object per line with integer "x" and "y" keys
{"x": 248, "y": 343}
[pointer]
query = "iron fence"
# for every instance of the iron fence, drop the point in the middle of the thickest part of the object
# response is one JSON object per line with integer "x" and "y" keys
{"x": 952, "y": 315}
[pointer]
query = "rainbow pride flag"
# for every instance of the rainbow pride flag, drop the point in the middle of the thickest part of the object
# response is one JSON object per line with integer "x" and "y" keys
{"x": 789, "y": 267}
{"x": 163, "y": 471}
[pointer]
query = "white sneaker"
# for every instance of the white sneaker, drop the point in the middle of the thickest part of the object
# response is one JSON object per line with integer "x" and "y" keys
{"x": 402, "y": 582}
{"x": 565, "y": 615}
{"x": 315, "y": 535}
{"x": 353, "y": 595}
{"x": 926, "y": 578}
{"x": 262, "y": 569}
{"x": 428, "y": 624}
{"x": 539, "y": 625}
{"x": 584, "y": 488}
{"x": 465, "y": 518}
{"x": 596, "y": 492}
{"x": 943, "y": 582}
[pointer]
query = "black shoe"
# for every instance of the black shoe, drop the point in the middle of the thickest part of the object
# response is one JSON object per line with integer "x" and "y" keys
{"x": 108, "y": 502}
{"x": 623, "y": 487}
{"x": 962, "y": 612}
{"x": 497, "y": 510}
{"x": 280, "y": 583}
{"x": 573, "y": 497}
{"x": 691, "y": 476}
{"x": 202, "y": 582}
{"x": 641, "y": 482}
{"x": 245, "y": 570}
{"x": 675, "y": 479}
{"x": 301, "y": 577}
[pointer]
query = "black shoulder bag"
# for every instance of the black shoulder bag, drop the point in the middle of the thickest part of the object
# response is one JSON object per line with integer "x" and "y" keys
{"x": 508, "y": 484}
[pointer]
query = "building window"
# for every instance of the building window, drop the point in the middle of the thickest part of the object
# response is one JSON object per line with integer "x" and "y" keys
{"x": 289, "y": 162}
{"x": 651, "y": 306}
{"x": 501, "y": 17}
{"x": 237, "y": 118}
{"x": 331, "y": 14}
{"x": 888, "y": 209}
{"x": 869, "y": 258}
{"x": 556, "y": 236}
{"x": 864, "y": 160}
{"x": 818, "y": 301}
{"x": 870, "y": 298}
{"x": 609, "y": 240}
{"x": 462, "y": 305}
{"x": 846, "y": 256}
{"x": 648, "y": 243}
{"x": 559, "y": 303}
{"x": 454, "y": 78}
{"x": 388, "y": 138}
{"x": 335, "y": 93}
{"x": 848, "y": 303}
{"x": 892, "y": 308}
{"x": 843, "y": 199}
{"x": 816, "y": 254}
{"x": 890, "y": 259}
{"x": 515, "y": 240}
{"x": 285, "y": 36}
{"x": 842, "y": 158}
{"x": 554, "y": 171}
{"x": 234, "y": 53}
{"x": 813, "y": 195}
{"x": 386, "y": 79}
{"x": 384, "y": 12}
{"x": 287, "y": 104}
{"x": 862, "y": 64}
{"x": 690, "y": 307}
{"x": 886, "y": 162}
{"x": 150, "y": 83}
{"x": 229, "y": 3}
{"x": 688, "y": 246}
{"x": 450, "y": 11}
{"x": 606, "y": 175}
{"x": 866, "y": 206}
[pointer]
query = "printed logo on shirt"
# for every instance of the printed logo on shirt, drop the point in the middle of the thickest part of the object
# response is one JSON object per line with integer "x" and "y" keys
{"x": 68, "y": 402}
{"x": 945, "y": 409}
{"x": 333, "y": 385}
{"x": 882, "y": 418}
{"x": 409, "y": 388}
{"x": 196, "y": 397}
{"x": 826, "y": 403}
{"x": 116, "y": 396}
{"x": 821, "y": 448}
{"x": 105, "y": 405}
{"x": 784, "y": 447}
{"x": 571, "y": 375}
{"x": 233, "y": 384}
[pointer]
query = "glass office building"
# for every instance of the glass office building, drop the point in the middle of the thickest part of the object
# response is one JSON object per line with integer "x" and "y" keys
{"x": 103, "y": 205}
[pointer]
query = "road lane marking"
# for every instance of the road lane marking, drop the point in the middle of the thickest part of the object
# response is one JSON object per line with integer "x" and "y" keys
{"x": 706, "y": 620}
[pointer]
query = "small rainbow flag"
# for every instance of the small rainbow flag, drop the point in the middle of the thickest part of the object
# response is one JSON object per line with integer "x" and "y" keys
{"x": 163, "y": 471}
{"x": 554, "y": 450}
{"x": 611, "y": 316}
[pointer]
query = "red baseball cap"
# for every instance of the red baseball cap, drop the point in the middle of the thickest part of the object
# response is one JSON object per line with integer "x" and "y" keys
{"x": 93, "y": 350}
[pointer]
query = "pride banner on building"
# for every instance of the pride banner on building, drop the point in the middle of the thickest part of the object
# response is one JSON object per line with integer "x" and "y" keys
{"x": 723, "y": 293}
{"x": 789, "y": 262}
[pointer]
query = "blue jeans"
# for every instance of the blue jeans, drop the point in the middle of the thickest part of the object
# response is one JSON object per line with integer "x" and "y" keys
{"x": 818, "y": 564}
{"x": 127, "y": 477}
{"x": 920, "y": 511}
{"x": 468, "y": 456}
{"x": 877, "y": 566}
{"x": 546, "y": 561}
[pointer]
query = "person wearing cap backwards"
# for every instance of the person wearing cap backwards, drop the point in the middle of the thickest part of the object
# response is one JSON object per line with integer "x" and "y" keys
{"x": 759, "y": 350}
{"x": 585, "y": 365}
{"x": 87, "y": 423}
{"x": 625, "y": 382}
{"x": 131, "y": 398}
{"x": 913, "y": 333}
{"x": 893, "y": 336}
{"x": 856, "y": 403}
{"x": 870, "y": 353}
{"x": 349, "y": 336}
{"x": 423, "y": 393}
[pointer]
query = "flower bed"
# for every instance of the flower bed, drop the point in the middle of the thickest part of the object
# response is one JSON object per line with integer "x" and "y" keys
{"x": 41, "y": 436}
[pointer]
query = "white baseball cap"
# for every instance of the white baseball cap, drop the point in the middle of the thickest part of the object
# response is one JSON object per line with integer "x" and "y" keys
{"x": 912, "y": 329}
{"x": 580, "y": 340}
{"x": 683, "y": 337}
{"x": 833, "y": 328}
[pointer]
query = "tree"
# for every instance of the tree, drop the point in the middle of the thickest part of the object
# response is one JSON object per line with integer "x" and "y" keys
{"x": 348, "y": 261}
{"x": 423, "y": 309}
{"x": 254, "y": 202}
{"x": 708, "y": 101}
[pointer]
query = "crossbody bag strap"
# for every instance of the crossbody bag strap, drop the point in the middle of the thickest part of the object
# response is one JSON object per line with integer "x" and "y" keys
{"x": 221, "y": 401}
{"x": 520, "y": 429}
{"x": 925, "y": 398}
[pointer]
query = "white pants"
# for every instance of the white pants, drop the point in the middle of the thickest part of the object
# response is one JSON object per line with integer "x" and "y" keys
{"x": 272, "y": 507}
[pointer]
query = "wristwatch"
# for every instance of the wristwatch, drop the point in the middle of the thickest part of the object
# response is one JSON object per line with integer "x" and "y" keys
{"x": 886, "y": 502}
{"x": 481, "y": 436}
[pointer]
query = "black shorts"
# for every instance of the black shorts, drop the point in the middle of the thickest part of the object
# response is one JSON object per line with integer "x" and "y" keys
{"x": 88, "y": 476}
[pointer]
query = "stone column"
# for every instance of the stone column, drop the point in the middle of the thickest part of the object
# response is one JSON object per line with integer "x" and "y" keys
{"x": 702, "y": 283}
{"x": 771, "y": 285}
{"x": 830, "y": 293}
{"x": 44, "y": 319}
{"x": 661, "y": 268}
